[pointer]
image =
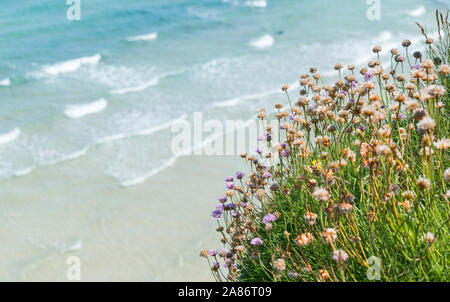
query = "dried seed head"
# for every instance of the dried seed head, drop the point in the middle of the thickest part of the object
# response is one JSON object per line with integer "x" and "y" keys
{"x": 279, "y": 265}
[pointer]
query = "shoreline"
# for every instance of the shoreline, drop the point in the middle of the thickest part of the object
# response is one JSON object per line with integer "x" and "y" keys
{"x": 146, "y": 232}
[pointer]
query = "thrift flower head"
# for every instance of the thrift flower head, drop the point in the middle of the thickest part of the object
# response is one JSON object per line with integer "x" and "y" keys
{"x": 304, "y": 239}
{"x": 321, "y": 194}
{"x": 329, "y": 235}
{"x": 423, "y": 183}
{"x": 426, "y": 124}
{"x": 279, "y": 265}
{"x": 447, "y": 175}
{"x": 239, "y": 175}
{"x": 267, "y": 175}
{"x": 269, "y": 218}
{"x": 428, "y": 238}
{"x": 217, "y": 214}
{"x": 310, "y": 218}
{"x": 340, "y": 256}
{"x": 256, "y": 241}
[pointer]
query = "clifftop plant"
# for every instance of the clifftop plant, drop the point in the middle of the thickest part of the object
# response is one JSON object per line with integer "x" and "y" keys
{"x": 359, "y": 190}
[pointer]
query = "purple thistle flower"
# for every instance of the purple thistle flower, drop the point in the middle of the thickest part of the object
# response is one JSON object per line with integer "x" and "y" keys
{"x": 417, "y": 67}
{"x": 259, "y": 150}
{"x": 269, "y": 218}
{"x": 283, "y": 145}
{"x": 212, "y": 252}
{"x": 401, "y": 116}
{"x": 230, "y": 185}
{"x": 256, "y": 241}
{"x": 229, "y": 179}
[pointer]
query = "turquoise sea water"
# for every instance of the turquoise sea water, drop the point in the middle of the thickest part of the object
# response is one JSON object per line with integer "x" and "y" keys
{"x": 110, "y": 85}
{"x": 86, "y": 109}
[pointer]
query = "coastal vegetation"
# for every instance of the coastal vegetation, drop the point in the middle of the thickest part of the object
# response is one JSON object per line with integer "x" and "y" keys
{"x": 353, "y": 183}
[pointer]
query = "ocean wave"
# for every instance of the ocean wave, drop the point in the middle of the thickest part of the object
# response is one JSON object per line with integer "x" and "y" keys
{"x": 262, "y": 42}
{"x": 23, "y": 172}
{"x": 5, "y": 82}
{"x": 141, "y": 178}
{"x": 421, "y": 10}
{"x": 148, "y": 37}
{"x": 237, "y": 100}
{"x": 9, "y": 136}
{"x": 172, "y": 160}
{"x": 144, "y": 86}
{"x": 71, "y": 65}
{"x": 256, "y": 3}
{"x": 68, "y": 157}
{"x": 144, "y": 132}
{"x": 77, "y": 111}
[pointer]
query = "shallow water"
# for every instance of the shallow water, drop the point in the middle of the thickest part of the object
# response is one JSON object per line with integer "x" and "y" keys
{"x": 88, "y": 105}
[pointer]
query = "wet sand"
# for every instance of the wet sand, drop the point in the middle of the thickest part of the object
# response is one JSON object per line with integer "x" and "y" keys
{"x": 148, "y": 232}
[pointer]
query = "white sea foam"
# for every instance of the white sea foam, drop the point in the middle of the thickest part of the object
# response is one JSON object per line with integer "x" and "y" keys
{"x": 144, "y": 86}
{"x": 9, "y": 136}
{"x": 70, "y": 247}
{"x": 421, "y": 10}
{"x": 23, "y": 172}
{"x": 71, "y": 65}
{"x": 5, "y": 82}
{"x": 237, "y": 100}
{"x": 80, "y": 110}
{"x": 256, "y": 3}
{"x": 171, "y": 161}
{"x": 262, "y": 42}
{"x": 141, "y": 178}
{"x": 148, "y": 37}
{"x": 68, "y": 157}
{"x": 143, "y": 132}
